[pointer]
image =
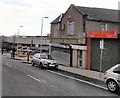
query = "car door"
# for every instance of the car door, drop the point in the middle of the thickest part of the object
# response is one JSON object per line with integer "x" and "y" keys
{"x": 38, "y": 58}
{"x": 35, "y": 58}
{"x": 117, "y": 73}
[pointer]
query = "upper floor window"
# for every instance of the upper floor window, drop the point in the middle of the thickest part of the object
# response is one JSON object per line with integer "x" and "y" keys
{"x": 103, "y": 27}
{"x": 57, "y": 27}
{"x": 70, "y": 27}
{"x": 56, "y": 30}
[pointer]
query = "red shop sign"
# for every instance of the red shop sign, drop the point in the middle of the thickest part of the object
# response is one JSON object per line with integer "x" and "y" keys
{"x": 103, "y": 34}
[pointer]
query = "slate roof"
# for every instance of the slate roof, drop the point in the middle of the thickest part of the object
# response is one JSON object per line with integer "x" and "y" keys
{"x": 98, "y": 14}
{"x": 58, "y": 19}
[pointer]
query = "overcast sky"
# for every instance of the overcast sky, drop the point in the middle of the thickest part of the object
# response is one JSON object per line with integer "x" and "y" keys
{"x": 29, "y": 13}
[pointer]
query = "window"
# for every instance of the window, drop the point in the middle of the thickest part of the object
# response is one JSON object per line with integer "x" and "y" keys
{"x": 117, "y": 70}
{"x": 36, "y": 55}
{"x": 80, "y": 58}
{"x": 70, "y": 28}
{"x": 62, "y": 27}
{"x": 103, "y": 27}
{"x": 56, "y": 29}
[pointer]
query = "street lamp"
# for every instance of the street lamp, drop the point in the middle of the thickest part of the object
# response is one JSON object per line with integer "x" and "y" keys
{"x": 18, "y": 37}
{"x": 41, "y": 33}
{"x": 18, "y": 29}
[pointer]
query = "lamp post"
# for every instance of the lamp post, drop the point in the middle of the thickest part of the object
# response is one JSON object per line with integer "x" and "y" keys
{"x": 41, "y": 33}
{"x": 14, "y": 38}
{"x": 18, "y": 36}
{"x": 18, "y": 29}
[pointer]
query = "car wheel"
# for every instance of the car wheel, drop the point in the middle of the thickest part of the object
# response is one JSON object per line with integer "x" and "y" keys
{"x": 41, "y": 65}
{"x": 112, "y": 86}
{"x": 33, "y": 64}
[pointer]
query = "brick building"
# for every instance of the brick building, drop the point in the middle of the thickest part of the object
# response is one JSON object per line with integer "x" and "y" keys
{"x": 71, "y": 27}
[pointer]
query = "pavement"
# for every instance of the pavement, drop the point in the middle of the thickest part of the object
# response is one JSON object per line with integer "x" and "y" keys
{"x": 83, "y": 72}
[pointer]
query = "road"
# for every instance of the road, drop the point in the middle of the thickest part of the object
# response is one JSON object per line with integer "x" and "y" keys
{"x": 20, "y": 79}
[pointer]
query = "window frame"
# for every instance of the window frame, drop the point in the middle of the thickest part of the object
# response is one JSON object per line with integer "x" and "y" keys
{"x": 103, "y": 27}
{"x": 70, "y": 27}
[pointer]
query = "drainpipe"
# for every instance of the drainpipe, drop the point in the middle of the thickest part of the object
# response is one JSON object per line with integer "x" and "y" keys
{"x": 71, "y": 56}
{"x": 84, "y": 26}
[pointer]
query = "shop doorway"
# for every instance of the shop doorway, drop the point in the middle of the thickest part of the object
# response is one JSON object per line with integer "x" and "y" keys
{"x": 80, "y": 59}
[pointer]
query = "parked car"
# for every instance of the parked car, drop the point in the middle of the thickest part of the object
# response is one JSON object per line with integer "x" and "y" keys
{"x": 112, "y": 78}
{"x": 44, "y": 60}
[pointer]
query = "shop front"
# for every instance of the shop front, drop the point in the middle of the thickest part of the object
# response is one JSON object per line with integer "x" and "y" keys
{"x": 109, "y": 48}
{"x": 79, "y": 56}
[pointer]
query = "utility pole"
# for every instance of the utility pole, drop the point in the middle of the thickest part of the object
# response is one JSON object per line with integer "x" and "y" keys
{"x": 101, "y": 54}
{"x": 41, "y": 33}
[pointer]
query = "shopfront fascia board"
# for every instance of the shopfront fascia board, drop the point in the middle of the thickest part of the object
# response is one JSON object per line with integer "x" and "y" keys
{"x": 79, "y": 47}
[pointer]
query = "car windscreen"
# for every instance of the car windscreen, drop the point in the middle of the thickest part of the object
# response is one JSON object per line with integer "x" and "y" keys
{"x": 43, "y": 56}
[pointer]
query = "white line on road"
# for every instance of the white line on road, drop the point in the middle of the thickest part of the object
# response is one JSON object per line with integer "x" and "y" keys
{"x": 61, "y": 90}
{"x": 9, "y": 65}
{"x": 49, "y": 84}
{"x": 15, "y": 67}
{"x": 34, "y": 78}
{"x": 22, "y": 70}
{"x": 78, "y": 80}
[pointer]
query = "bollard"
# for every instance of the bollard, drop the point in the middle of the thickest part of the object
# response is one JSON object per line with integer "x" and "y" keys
{"x": 27, "y": 56}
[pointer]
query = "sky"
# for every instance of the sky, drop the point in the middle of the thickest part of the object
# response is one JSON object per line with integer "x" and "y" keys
{"x": 29, "y": 14}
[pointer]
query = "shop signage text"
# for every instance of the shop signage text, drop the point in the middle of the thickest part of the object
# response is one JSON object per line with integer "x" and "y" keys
{"x": 103, "y": 34}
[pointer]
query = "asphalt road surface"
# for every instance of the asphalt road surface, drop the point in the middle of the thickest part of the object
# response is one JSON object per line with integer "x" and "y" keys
{"x": 20, "y": 79}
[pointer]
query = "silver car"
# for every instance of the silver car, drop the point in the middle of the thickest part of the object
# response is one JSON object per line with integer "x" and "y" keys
{"x": 44, "y": 60}
{"x": 112, "y": 78}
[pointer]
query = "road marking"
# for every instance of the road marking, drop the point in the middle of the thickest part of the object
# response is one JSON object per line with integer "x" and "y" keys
{"x": 13, "y": 66}
{"x": 22, "y": 70}
{"x": 9, "y": 65}
{"x": 61, "y": 90}
{"x": 34, "y": 78}
{"x": 78, "y": 80}
{"x": 49, "y": 84}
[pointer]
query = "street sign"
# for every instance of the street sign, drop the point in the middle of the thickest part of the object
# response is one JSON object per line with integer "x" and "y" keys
{"x": 102, "y": 44}
{"x": 101, "y": 54}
